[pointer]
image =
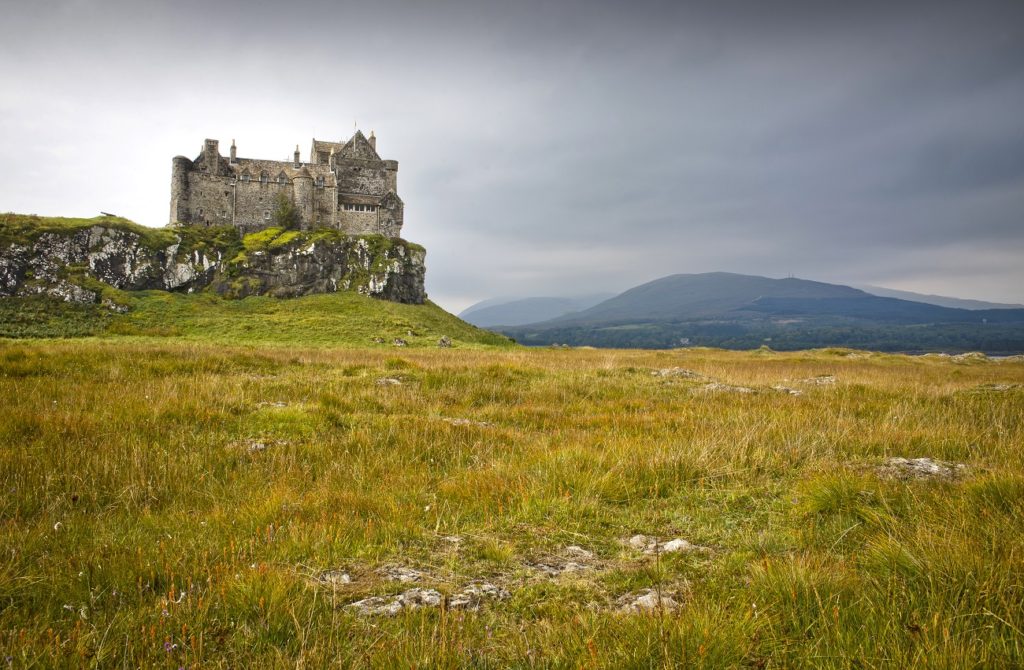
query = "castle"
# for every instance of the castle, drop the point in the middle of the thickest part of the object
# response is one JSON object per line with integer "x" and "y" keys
{"x": 346, "y": 186}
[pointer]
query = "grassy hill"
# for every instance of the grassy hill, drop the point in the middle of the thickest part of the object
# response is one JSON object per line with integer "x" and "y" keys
{"x": 336, "y": 319}
{"x": 172, "y": 503}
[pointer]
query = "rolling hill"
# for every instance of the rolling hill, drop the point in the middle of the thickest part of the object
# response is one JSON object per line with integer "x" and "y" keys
{"x": 743, "y": 311}
{"x": 519, "y": 311}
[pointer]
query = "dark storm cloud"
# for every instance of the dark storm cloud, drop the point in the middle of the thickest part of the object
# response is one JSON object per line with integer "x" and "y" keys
{"x": 559, "y": 148}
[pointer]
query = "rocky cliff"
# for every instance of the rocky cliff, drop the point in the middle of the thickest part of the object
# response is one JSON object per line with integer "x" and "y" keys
{"x": 75, "y": 259}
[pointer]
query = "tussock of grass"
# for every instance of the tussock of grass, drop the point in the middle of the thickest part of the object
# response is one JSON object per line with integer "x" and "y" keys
{"x": 142, "y": 528}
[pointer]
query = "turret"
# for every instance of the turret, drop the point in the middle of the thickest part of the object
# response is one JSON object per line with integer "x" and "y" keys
{"x": 298, "y": 163}
{"x": 180, "y": 167}
{"x": 373, "y": 140}
{"x": 234, "y": 153}
{"x": 303, "y": 185}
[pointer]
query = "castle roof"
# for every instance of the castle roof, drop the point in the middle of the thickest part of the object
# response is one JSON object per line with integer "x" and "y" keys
{"x": 323, "y": 145}
{"x": 359, "y": 148}
{"x": 256, "y": 166}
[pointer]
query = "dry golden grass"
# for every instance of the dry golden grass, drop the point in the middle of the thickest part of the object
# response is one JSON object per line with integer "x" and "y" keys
{"x": 173, "y": 504}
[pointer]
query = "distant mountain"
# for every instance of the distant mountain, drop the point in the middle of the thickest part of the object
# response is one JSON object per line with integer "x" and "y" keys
{"x": 700, "y": 296}
{"x": 941, "y": 300}
{"x": 742, "y": 311}
{"x": 519, "y": 311}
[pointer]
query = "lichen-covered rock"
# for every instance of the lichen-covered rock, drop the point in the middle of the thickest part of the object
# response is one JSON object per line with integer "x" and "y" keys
{"x": 378, "y": 267}
{"x": 921, "y": 468}
{"x": 647, "y": 601}
{"x": 67, "y": 262}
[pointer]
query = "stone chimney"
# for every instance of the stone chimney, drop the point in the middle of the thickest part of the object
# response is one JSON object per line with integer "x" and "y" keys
{"x": 373, "y": 140}
{"x": 211, "y": 156}
{"x": 234, "y": 152}
{"x": 298, "y": 163}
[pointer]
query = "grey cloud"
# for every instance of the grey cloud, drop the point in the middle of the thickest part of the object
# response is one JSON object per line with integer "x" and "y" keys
{"x": 564, "y": 147}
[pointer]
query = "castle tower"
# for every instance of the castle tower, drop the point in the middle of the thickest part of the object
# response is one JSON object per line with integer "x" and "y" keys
{"x": 303, "y": 188}
{"x": 234, "y": 153}
{"x": 180, "y": 167}
{"x": 373, "y": 140}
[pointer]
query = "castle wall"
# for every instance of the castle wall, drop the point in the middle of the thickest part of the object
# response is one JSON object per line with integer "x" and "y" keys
{"x": 256, "y": 202}
{"x": 363, "y": 177}
{"x": 358, "y": 223}
{"x": 209, "y": 200}
{"x": 357, "y": 195}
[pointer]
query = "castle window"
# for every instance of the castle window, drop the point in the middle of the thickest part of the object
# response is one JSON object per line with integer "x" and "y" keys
{"x": 320, "y": 182}
{"x": 281, "y": 179}
{"x": 264, "y": 178}
{"x": 245, "y": 177}
{"x": 266, "y": 215}
{"x": 200, "y": 212}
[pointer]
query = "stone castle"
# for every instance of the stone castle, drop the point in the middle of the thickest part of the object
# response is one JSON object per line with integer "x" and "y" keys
{"x": 345, "y": 185}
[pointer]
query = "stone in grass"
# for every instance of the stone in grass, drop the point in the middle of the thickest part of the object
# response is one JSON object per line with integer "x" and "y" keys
{"x": 648, "y": 601}
{"x": 399, "y": 342}
{"x": 921, "y": 468}
{"x": 556, "y": 567}
{"x": 400, "y": 574}
{"x": 574, "y": 551}
{"x": 389, "y": 381}
{"x": 467, "y": 422}
{"x": 820, "y": 380}
{"x": 787, "y": 389}
{"x": 474, "y": 595}
{"x": 677, "y": 372}
{"x": 651, "y": 545}
{"x": 997, "y": 387}
{"x": 574, "y": 559}
{"x": 725, "y": 388}
{"x": 391, "y": 605}
{"x": 445, "y": 342}
{"x": 333, "y": 578}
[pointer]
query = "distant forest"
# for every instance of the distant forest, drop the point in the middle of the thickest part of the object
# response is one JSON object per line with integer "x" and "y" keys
{"x": 958, "y": 337}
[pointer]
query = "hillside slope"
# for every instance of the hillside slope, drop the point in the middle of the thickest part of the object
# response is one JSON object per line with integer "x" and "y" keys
{"x": 107, "y": 276}
{"x": 335, "y": 319}
{"x": 941, "y": 300}
{"x": 515, "y": 312}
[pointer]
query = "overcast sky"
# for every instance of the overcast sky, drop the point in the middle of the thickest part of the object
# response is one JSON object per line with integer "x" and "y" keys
{"x": 562, "y": 148}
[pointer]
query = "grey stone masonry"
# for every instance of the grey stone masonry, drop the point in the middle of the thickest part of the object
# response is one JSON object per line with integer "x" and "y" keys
{"x": 345, "y": 185}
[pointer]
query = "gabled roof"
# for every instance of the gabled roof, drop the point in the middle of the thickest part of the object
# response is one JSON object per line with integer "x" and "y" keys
{"x": 323, "y": 145}
{"x": 359, "y": 148}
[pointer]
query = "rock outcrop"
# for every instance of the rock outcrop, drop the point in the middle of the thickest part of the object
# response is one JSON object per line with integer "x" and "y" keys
{"x": 72, "y": 263}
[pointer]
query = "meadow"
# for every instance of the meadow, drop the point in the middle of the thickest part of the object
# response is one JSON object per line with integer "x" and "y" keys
{"x": 181, "y": 503}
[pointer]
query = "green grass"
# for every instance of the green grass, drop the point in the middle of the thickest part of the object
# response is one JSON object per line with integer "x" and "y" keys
{"x": 138, "y": 528}
{"x": 336, "y": 319}
{"x": 25, "y": 228}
